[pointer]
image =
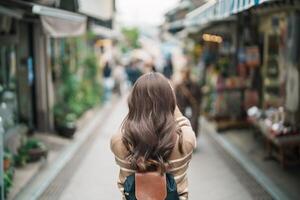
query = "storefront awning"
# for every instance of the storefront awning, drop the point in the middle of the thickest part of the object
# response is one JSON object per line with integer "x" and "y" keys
{"x": 218, "y": 10}
{"x": 60, "y": 23}
{"x": 10, "y": 12}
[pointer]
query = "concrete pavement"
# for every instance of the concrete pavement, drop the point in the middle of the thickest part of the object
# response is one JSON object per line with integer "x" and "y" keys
{"x": 97, "y": 174}
{"x": 210, "y": 175}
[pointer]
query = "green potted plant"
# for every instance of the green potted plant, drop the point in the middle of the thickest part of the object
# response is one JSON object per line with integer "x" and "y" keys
{"x": 8, "y": 182}
{"x": 32, "y": 150}
{"x": 78, "y": 89}
{"x": 8, "y": 165}
{"x": 35, "y": 150}
{"x": 65, "y": 121}
{"x": 67, "y": 108}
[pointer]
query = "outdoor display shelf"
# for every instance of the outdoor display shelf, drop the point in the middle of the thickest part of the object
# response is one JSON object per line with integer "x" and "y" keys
{"x": 224, "y": 99}
{"x": 283, "y": 143}
{"x": 232, "y": 117}
{"x": 281, "y": 147}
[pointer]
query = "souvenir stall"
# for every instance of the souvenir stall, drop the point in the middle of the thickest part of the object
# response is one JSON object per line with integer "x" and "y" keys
{"x": 278, "y": 120}
{"x": 231, "y": 62}
{"x": 225, "y": 85}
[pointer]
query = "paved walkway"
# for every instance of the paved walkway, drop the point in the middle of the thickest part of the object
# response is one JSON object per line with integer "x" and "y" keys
{"x": 210, "y": 175}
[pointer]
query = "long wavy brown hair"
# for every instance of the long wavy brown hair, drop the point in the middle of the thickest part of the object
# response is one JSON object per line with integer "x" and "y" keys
{"x": 149, "y": 129}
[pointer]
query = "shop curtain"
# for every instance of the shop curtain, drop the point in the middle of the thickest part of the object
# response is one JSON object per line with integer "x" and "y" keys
{"x": 58, "y": 28}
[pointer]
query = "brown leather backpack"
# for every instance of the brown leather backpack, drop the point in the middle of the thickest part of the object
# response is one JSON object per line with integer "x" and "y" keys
{"x": 150, "y": 186}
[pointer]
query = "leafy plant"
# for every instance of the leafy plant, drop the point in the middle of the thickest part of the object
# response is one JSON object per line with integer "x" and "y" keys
{"x": 22, "y": 157}
{"x": 9, "y": 171}
{"x": 33, "y": 143}
{"x": 63, "y": 113}
{"x": 23, "y": 152}
{"x": 8, "y": 182}
{"x": 131, "y": 36}
{"x": 78, "y": 87}
{"x": 78, "y": 92}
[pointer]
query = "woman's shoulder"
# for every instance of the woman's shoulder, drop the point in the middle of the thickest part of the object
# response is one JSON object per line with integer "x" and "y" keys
{"x": 117, "y": 146}
{"x": 188, "y": 135}
{"x": 188, "y": 143}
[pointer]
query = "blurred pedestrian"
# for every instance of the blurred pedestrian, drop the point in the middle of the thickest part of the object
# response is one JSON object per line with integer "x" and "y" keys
{"x": 188, "y": 95}
{"x": 153, "y": 135}
{"x": 119, "y": 77}
{"x": 108, "y": 80}
{"x": 133, "y": 71}
{"x": 168, "y": 68}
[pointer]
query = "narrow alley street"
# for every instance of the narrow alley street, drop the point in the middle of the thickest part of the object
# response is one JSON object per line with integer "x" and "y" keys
{"x": 228, "y": 71}
{"x": 92, "y": 173}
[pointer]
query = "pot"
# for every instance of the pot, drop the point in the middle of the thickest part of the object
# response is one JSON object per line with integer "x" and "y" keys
{"x": 36, "y": 154}
{"x": 6, "y": 164}
{"x": 67, "y": 131}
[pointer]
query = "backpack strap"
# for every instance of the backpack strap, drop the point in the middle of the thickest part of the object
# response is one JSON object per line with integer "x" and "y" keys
{"x": 150, "y": 186}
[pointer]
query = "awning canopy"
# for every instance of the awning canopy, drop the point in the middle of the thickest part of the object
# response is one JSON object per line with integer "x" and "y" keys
{"x": 15, "y": 13}
{"x": 58, "y": 28}
{"x": 56, "y": 22}
{"x": 60, "y": 23}
{"x": 218, "y": 10}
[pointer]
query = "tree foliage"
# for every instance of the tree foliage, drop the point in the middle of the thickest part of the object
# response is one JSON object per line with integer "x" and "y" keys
{"x": 131, "y": 36}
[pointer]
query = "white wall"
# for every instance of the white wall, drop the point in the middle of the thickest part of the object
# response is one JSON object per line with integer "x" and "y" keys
{"x": 97, "y": 8}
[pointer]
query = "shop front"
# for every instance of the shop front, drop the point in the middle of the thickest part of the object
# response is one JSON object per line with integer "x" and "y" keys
{"x": 25, "y": 77}
{"x": 16, "y": 82}
{"x": 260, "y": 82}
{"x": 222, "y": 81}
{"x": 278, "y": 117}
{"x": 229, "y": 61}
{"x": 251, "y": 62}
